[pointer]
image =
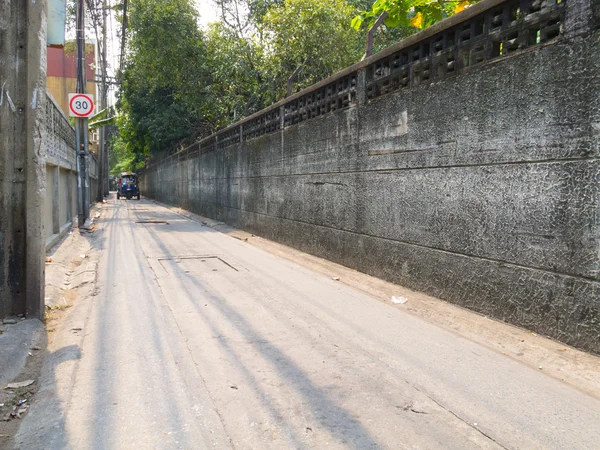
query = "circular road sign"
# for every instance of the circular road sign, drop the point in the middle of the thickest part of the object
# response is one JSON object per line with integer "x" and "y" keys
{"x": 81, "y": 105}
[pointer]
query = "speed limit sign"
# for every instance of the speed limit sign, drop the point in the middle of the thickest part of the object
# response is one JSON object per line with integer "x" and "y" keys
{"x": 81, "y": 105}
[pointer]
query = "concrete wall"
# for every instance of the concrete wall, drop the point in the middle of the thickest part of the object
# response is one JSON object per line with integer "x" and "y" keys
{"x": 60, "y": 206}
{"x": 480, "y": 188}
{"x": 61, "y": 78}
{"x": 48, "y": 209}
{"x": 65, "y": 211}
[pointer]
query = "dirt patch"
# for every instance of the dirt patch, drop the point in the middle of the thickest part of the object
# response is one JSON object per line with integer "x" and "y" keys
{"x": 15, "y": 400}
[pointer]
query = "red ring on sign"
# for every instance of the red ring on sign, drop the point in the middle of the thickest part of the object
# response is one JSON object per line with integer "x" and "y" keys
{"x": 87, "y": 98}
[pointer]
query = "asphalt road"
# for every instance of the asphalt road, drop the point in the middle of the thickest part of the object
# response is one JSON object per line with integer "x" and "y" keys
{"x": 199, "y": 340}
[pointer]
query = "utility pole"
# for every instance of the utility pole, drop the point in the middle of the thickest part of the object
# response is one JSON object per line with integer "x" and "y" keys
{"x": 81, "y": 124}
{"x": 22, "y": 162}
{"x": 102, "y": 153}
{"x": 105, "y": 92}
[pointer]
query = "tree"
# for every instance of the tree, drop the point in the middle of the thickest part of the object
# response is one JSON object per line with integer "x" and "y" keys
{"x": 179, "y": 83}
{"x": 236, "y": 64}
{"x": 310, "y": 34}
{"x": 418, "y": 14}
{"x": 165, "y": 91}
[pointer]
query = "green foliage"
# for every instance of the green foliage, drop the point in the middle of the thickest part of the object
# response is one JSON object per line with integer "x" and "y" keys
{"x": 237, "y": 69}
{"x": 121, "y": 158}
{"x": 179, "y": 82}
{"x": 409, "y": 13}
{"x": 101, "y": 123}
{"x": 165, "y": 82}
{"x": 100, "y": 119}
{"x": 313, "y": 34}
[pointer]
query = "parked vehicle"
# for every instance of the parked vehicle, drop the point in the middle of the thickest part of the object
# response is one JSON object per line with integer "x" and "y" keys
{"x": 128, "y": 186}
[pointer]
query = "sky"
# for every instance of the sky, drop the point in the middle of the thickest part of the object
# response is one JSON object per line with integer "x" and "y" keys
{"x": 208, "y": 11}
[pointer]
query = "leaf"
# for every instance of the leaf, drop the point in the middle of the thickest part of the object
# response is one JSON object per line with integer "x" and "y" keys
{"x": 392, "y": 21}
{"x": 461, "y": 6}
{"x": 101, "y": 114}
{"x": 379, "y": 5}
{"x": 417, "y": 20}
{"x": 102, "y": 123}
{"x": 357, "y": 22}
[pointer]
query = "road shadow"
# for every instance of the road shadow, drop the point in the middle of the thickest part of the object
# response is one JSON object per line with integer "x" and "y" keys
{"x": 340, "y": 423}
{"x": 44, "y": 426}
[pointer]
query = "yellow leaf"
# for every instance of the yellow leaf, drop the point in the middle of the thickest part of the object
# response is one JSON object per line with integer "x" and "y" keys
{"x": 461, "y": 6}
{"x": 417, "y": 21}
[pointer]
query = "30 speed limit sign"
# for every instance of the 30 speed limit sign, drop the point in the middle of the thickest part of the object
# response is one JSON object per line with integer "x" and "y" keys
{"x": 81, "y": 105}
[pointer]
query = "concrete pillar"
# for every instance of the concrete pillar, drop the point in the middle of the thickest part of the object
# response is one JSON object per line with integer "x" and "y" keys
{"x": 361, "y": 87}
{"x": 580, "y": 18}
{"x": 22, "y": 165}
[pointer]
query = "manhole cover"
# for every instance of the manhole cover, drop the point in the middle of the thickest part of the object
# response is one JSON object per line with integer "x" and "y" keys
{"x": 197, "y": 264}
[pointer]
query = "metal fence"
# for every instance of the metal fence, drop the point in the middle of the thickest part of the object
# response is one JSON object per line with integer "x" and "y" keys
{"x": 489, "y": 30}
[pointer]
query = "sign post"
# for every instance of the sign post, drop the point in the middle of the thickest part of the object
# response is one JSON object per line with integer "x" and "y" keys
{"x": 81, "y": 106}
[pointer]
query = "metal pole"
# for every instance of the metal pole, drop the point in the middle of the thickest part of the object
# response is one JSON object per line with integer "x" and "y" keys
{"x": 293, "y": 77}
{"x": 79, "y": 157}
{"x": 123, "y": 35}
{"x": 103, "y": 157}
{"x": 371, "y": 33}
{"x": 86, "y": 170}
{"x": 81, "y": 124}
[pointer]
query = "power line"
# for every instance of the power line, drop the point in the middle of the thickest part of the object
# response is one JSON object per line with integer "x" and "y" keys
{"x": 112, "y": 41}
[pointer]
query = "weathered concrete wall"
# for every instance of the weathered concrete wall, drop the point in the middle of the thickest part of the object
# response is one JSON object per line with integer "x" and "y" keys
{"x": 22, "y": 176}
{"x": 481, "y": 189}
{"x": 48, "y": 210}
{"x": 59, "y": 208}
{"x": 65, "y": 211}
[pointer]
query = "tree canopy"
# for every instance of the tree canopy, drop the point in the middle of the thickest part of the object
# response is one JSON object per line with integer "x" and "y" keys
{"x": 409, "y": 13}
{"x": 180, "y": 82}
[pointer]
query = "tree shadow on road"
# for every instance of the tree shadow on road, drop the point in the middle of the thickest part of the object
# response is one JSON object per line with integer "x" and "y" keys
{"x": 44, "y": 426}
{"x": 339, "y": 422}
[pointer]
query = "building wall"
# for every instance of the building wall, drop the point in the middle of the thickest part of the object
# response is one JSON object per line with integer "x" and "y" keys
{"x": 48, "y": 225}
{"x": 65, "y": 213}
{"x": 62, "y": 78}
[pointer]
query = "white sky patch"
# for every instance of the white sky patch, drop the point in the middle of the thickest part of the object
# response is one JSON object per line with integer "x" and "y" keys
{"x": 208, "y": 11}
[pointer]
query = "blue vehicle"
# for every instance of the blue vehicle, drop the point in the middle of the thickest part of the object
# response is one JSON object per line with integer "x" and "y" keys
{"x": 128, "y": 186}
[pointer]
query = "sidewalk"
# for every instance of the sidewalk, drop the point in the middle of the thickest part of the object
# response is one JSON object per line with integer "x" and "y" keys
{"x": 70, "y": 274}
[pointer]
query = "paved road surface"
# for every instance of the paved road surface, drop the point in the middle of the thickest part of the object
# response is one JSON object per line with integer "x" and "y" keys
{"x": 199, "y": 340}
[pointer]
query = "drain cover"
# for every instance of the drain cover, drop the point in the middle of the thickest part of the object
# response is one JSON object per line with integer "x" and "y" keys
{"x": 197, "y": 264}
{"x": 152, "y": 221}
